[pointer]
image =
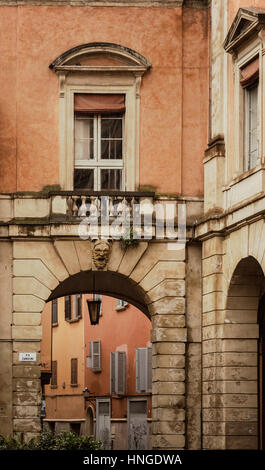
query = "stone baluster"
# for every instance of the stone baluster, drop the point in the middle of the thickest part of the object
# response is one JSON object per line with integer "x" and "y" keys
{"x": 111, "y": 206}
{"x": 75, "y": 206}
{"x": 83, "y": 208}
{"x": 69, "y": 203}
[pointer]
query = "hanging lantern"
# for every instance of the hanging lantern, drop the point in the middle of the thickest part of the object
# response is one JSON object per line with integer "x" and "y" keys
{"x": 94, "y": 307}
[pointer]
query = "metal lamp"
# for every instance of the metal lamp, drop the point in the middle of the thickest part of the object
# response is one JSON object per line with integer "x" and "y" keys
{"x": 94, "y": 311}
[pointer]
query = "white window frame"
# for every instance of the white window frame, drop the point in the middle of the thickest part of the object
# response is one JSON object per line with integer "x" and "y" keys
{"x": 123, "y": 77}
{"x": 97, "y": 163}
{"x": 131, "y": 129}
{"x": 248, "y": 126}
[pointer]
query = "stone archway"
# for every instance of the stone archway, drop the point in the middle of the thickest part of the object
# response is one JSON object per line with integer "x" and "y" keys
{"x": 231, "y": 391}
{"x": 42, "y": 270}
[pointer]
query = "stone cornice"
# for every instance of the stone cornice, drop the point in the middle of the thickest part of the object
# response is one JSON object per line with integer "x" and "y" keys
{"x": 221, "y": 224}
{"x": 111, "y": 3}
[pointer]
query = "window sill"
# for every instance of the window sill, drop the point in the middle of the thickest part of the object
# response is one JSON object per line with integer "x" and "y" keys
{"x": 243, "y": 188}
{"x": 73, "y": 320}
{"x": 55, "y": 324}
{"x": 74, "y": 385}
{"x": 244, "y": 175}
{"x": 54, "y": 386}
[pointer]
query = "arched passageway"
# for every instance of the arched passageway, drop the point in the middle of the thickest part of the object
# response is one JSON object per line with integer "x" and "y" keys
{"x": 149, "y": 276}
{"x": 242, "y": 391}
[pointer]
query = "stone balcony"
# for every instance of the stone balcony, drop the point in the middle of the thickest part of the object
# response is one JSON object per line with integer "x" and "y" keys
{"x": 45, "y": 214}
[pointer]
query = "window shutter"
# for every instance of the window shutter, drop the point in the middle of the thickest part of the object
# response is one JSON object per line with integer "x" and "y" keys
{"x": 149, "y": 370}
{"x": 144, "y": 370}
{"x": 96, "y": 356}
{"x": 54, "y": 373}
{"x": 138, "y": 370}
{"x": 67, "y": 307}
{"x": 118, "y": 372}
{"x": 141, "y": 370}
{"x": 74, "y": 371}
{"x": 79, "y": 305}
{"x": 121, "y": 372}
{"x": 112, "y": 373}
{"x": 121, "y": 304}
{"x": 54, "y": 311}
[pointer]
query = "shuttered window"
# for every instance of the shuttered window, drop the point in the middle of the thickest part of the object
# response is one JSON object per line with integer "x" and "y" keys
{"x": 144, "y": 370}
{"x": 77, "y": 306}
{"x": 251, "y": 126}
{"x": 250, "y": 84}
{"x": 54, "y": 312}
{"x": 54, "y": 374}
{"x": 121, "y": 304}
{"x": 96, "y": 356}
{"x": 74, "y": 371}
{"x": 118, "y": 373}
{"x": 67, "y": 307}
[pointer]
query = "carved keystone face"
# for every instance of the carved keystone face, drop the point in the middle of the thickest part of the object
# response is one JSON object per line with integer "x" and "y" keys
{"x": 100, "y": 254}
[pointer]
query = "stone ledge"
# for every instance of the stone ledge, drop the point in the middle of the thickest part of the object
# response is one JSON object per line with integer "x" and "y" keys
{"x": 111, "y": 3}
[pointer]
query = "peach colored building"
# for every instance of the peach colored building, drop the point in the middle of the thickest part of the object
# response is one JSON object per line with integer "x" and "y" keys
{"x": 82, "y": 394}
{"x": 158, "y": 106}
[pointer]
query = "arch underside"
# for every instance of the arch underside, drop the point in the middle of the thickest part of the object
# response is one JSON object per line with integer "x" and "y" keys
{"x": 102, "y": 282}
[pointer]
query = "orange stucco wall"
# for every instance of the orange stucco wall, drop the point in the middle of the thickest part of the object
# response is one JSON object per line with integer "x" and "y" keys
{"x": 117, "y": 330}
{"x": 123, "y": 330}
{"x": 67, "y": 343}
{"x": 174, "y": 94}
{"x": 234, "y": 5}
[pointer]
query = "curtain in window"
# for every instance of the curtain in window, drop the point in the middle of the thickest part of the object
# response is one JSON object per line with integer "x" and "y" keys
{"x": 99, "y": 103}
{"x": 250, "y": 73}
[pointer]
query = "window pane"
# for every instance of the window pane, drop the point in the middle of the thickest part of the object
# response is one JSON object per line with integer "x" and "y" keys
{"x": 111, "y": 127}
{"x": 111, "y": 137}
{"x": 251, "y": 126}
{"x": 103, "y": 408}
{"x": 111, "y": 179}
{"x": 84, "y": 138}
{"x": 83, "y": 179}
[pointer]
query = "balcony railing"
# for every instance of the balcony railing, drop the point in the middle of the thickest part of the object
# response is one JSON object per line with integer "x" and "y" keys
{"x": 109, "y": 204}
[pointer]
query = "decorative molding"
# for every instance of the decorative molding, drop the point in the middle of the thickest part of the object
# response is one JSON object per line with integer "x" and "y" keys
{"x": 248, "y": 21}
{"x": 100, "y": 254}
{"x": 112, "y": 3}
{"x": 132, "y": 61}
{"x": 216, "y": 148}
{"x": 62, "y": 78}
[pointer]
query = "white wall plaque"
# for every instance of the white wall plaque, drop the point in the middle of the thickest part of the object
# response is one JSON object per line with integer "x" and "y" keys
{"x": 27, "y": 356}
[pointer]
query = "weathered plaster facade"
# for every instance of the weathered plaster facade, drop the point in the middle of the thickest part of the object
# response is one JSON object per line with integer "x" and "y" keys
{"x": 204, "y": 301}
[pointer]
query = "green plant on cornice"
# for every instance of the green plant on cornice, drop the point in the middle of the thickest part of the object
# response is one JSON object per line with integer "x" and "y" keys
{"x": 128, "y": 241}
{"x": 51, "y": 187}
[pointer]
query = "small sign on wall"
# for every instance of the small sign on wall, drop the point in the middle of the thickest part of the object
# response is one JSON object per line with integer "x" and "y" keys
{"x": 27, "y": 357}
